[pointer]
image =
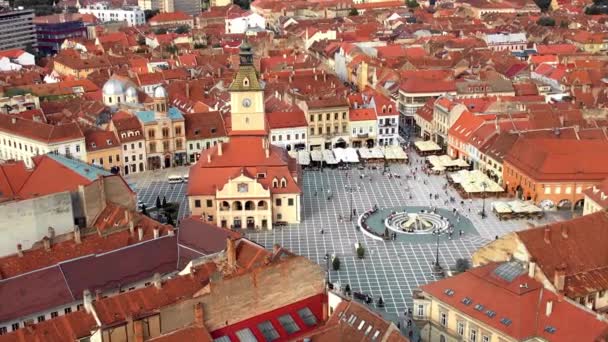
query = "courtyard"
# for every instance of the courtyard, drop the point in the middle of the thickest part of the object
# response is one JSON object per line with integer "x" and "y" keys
{"x": 391, "y": 269}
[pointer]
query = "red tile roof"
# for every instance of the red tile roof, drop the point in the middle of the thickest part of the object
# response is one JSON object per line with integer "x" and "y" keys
{"x": 586, "y": 272}
{"x": 286, "y": 119}
{"x": 242, "y": 155}
{"x": 362, "y": 114}
{"x": 40, "y": 131}
{"x": 97, "y": 140}
{"x": 169, "y": 17}
{"x": 13, "y": 53}
{"x": 72, "y": 327}
{"x": 419, "y": 85}
{"x": 192, "y": 333}
{"x": 204, "y": 126}
{"x": 599, "y": 194}
{"x": 12, "y": 177}
{"x": 559, "y": 159}
{"x": 524, "y": 306}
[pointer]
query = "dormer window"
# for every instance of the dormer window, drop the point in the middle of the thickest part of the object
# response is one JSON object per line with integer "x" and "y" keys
{"x": 109, "y": 142}
{"x": 283, "y": 183}
{"x": 123, "y": 135}
{"x": 93, "y": 145}
{"x": 246, "y": 82}
{"x": 213, "y": 130}
{"x": 383, "y": 109}
{"x": 275, "y": 183}
{"x": 197, "y": 131}
{"x": 261, "y": 175}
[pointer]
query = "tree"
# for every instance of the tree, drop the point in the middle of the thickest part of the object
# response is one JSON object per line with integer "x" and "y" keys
{"x": 141, "y": 40}
{"x": 353, "y": 12}
{"x": 158, "y": 204}
{"x": 462, "y": 265}
{"x": 380, "y": 302}
{"x": 150, "y": 13}
{"x": 543, "y": 4}
{"x": 144, "y": 210}
{"x": 170, "y": 220}
{"x": 412, "y": 3}
{"x": 164, "y": 204}
{"x": 335, "y": 263}
{"x": 347, "y": 289}
{"x": 545, "y": 21}
{"x": 182, "y": 29}
{"x": 161, "y": 30}
{"x": 360, "y": 252}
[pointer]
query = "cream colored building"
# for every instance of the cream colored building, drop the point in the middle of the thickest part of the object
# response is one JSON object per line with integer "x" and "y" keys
{"x": 596, "y": 198}
{"x": 327, "y": 123}
{"x": 246, "y": 182}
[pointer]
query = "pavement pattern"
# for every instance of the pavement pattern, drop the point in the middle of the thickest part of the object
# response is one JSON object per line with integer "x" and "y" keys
{"x": 391, "y": 269}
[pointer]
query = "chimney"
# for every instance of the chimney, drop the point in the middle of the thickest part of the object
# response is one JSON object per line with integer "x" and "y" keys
{"x": 77, "y": 237}
{"x": 47, "y": 243}
{"x": 547, "y": 235}
{"x": 559, "y": 280}
{"x": 564, "y": 231}
{"x": 324, "y": 76}
{"x": 87, "y": 299}
{"x": 275, "y": 249}
{"x": 131, "y": 227}
{"x": 13, "y": 120}
{"x": 199, "y": 316}
{"x": 19, "y": 250}
{"x": 98, "y": 294}
{"x": 531, "y": 269}
{"x": 549, "y": 308}
{"x": 51, "y": 234}
{"x": 156, "y": 232}
{"x": 140, "y": 233}
{"x": 157, "y": 281}
{"x": 138, "y": 331}
{"x": 187, "y": 90}
{"x": 231, "y": 252}
{"x": 219, "y": 148}
{"x": 102, "y": 192}
{"x": 208, "y": 158}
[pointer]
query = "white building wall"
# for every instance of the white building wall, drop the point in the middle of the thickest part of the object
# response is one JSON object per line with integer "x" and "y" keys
{"x": 134, "y": 153}
{"x": 133, "y": 15}
{"x": 19, "y": 148}
{"x": 289, "y": 137}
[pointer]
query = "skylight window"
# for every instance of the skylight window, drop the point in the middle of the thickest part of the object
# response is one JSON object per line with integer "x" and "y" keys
{"x": 490, "y": 313}
{"x": 361, "y": 325}
{"x": 245, "y": 335}
{"x": 505, "y": 321}
{"x": 369, "y": 328}
{"x": 479, "y": 307}
{"x": 268, "y": 330}
{"x": 449, "y": 292}
{"x": 467, "y": 301}
{"x": 375, "y": 335}
{"x": 288, "y": 324}
{"x": 308, "y": 317}
{"x": 550, "y": 329}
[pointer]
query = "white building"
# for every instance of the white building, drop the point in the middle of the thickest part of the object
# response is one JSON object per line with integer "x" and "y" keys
{"x": 506, "y": 41}
{"x": 363, "y": 127}
{"x": 129, "y": 132}
{"x": 288, "y": 130}
{"x": 248, "y": 21}
{"x": 133, "y": 15}
{"x": 21, "y": 139}
{"x": 15, "y": 59}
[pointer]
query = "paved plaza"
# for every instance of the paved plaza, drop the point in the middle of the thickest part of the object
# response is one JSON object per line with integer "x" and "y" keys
{"x": 391, "y": 269}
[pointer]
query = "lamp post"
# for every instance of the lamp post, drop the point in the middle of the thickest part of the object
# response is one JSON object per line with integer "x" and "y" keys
{"x": 350, "y": 190}
{"x": 483, "y": 196}
{"x": 327, "y": 264}
{"x": 437, "y": 269}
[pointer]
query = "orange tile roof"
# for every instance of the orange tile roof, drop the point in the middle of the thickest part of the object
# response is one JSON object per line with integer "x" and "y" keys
{"x": 286, "y": 119}
{"x": 586, "y": 272}
{"x": 97, "y": 140}
{"x": 419, "y": 85}
{"x": 192, "y": 333}
{"x": 72, "y": 327}
{"x": 524, "y": 306}
{"x": 362, "y": 114}
{"x": 169, "y": 17}
{"x": 12, "y": 177}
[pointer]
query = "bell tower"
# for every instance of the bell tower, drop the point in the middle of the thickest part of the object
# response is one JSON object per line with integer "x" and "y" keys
{"x": 247, "y": 96}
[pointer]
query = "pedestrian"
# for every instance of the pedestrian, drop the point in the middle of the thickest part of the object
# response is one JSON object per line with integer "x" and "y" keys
{"x": 315, "y": 193}
{"x": 321, "y": 231}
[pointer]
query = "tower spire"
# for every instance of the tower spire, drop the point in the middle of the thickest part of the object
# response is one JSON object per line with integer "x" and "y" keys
{"x": 245, "y": 53}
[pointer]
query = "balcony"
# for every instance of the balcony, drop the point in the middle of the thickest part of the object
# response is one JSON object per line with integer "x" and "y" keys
{"x": 363, "y": 135}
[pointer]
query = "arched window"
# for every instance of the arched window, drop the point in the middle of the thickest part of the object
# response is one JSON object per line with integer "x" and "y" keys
{"x": 246, "y": 82}
{"x": 275, "y": 183}
{"x": 383, "y": 109}
{"x": 283, "y": 183}
{"x": 390, "y": 109}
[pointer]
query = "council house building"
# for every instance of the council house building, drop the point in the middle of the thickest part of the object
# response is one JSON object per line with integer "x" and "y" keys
{"x": 246, "y": 182}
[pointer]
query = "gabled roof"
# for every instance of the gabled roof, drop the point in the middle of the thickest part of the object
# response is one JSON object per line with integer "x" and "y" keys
{"x": 73, "y": 327}
{"x": 577, "y": 246}
{"x": 204, "y": 126}
{"x": 39, "y": 131}
{"x": 290, "y": 119}
{"x": 169, "y": 17}
{"x": 517, "y": 304}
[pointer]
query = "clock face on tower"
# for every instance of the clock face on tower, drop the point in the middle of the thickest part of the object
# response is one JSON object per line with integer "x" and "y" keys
{"x": 246, "y": 103}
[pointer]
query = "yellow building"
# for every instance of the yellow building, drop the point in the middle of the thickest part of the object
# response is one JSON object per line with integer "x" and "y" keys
{"x": 327, "y": 123}
{"x": 103, "y": 149}
{"x": 164, "y": 132}
{"x": 246, "y": 182}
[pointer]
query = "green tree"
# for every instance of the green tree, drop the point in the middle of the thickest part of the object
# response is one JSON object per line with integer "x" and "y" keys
{"x": 412, "y": 3}
{"x": 360, "y": 252}
{"x": 545, "y": 21}
{"x": 335, "y": 263}
{"x": 144, "y": 210}
{"x": 158, "y": 203}
{"x": 182, "y": 29}
{"x": 170, "y": 220}
{"x": 161, "y": 30}
{"x": 164, "y": 204}
{"x": 462, "y": 265}
{"x": 150, "y": 13}
{"x": 543, "y": 4}
{"x": 353, "y": 12}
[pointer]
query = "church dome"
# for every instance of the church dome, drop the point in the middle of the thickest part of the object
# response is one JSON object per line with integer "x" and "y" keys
{"x": 113, "y": 87}
{"x": 131, "y": 92}
{"x": 160, "y": 92}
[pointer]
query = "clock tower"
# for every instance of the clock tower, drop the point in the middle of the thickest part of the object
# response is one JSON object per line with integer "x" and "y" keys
{"x": 247, "y": 96}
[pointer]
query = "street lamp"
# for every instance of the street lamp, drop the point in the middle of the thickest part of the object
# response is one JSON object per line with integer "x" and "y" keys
{"x": 327, "y": 264}
{"x": 483, "y": 196}
{"x": 437, "y": 269}
{"x": 350, "y": 190}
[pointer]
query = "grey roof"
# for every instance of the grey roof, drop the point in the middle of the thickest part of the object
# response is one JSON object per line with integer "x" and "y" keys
{"x": 113, "y": 87}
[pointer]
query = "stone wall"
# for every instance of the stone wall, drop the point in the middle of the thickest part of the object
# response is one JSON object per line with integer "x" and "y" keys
{"x": 28, "y": 221}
